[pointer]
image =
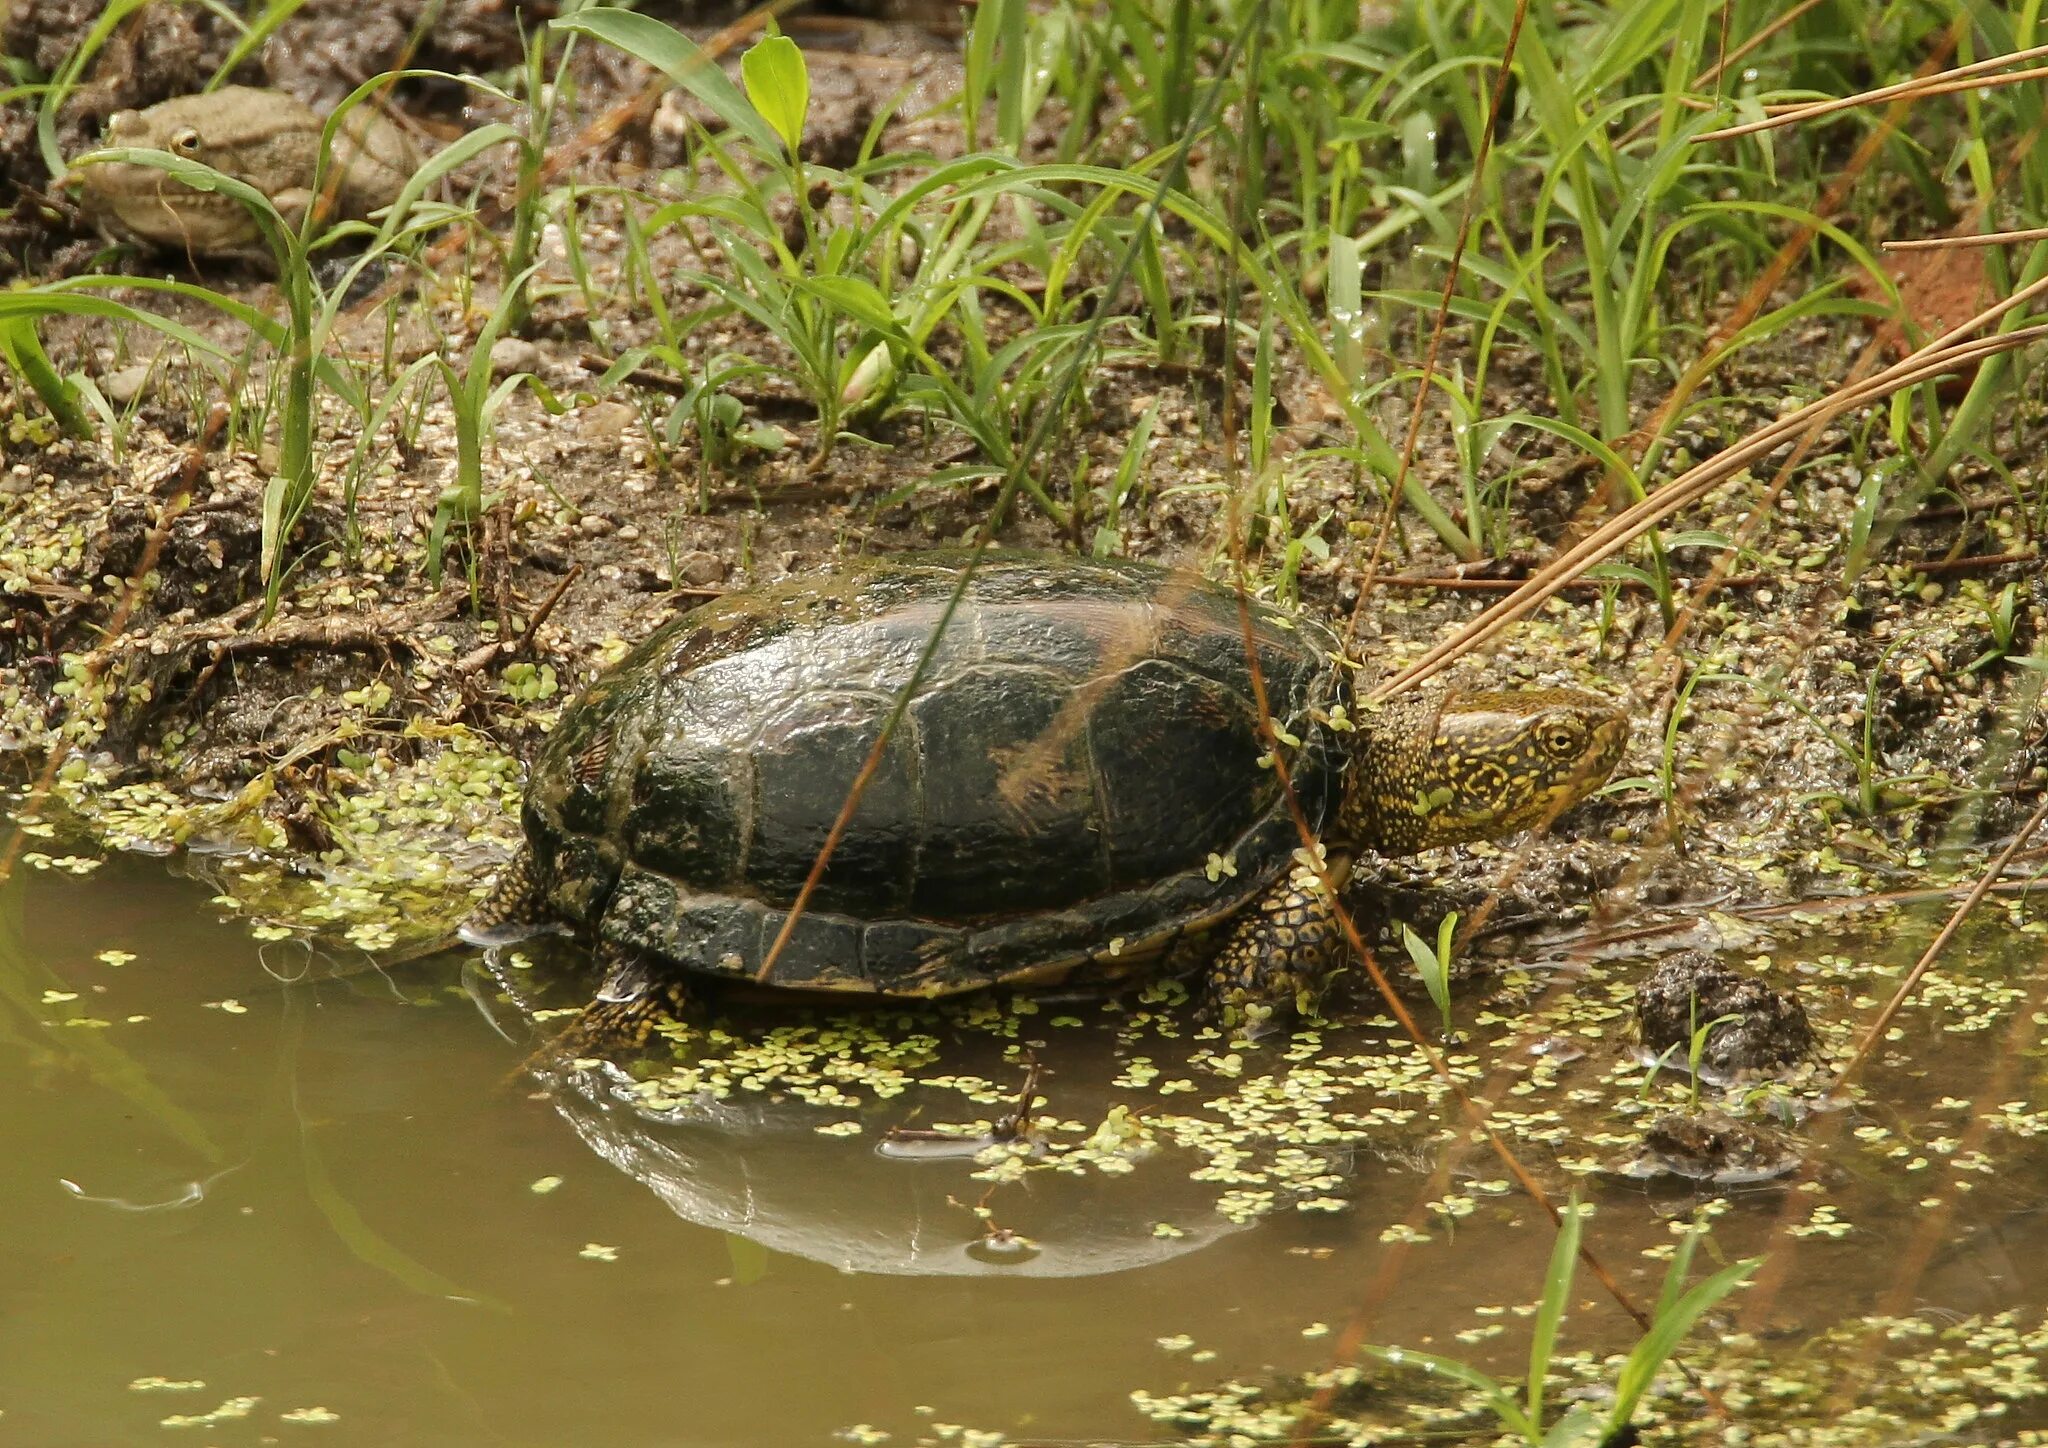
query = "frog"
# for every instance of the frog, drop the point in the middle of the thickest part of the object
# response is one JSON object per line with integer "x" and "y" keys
{"x": 264, "y": 137}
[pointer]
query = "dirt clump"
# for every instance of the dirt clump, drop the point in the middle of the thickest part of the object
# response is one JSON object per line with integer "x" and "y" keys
{"x": 1752, "y": 1029}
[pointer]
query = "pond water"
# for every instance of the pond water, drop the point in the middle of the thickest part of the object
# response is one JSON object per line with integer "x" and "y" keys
{"x": 343, "y": 1206}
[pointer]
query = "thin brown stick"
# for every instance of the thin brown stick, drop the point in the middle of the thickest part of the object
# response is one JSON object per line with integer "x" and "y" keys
{"x": 1452, "y": 583}
{"x": 528, "y": 634}
{"x": 1770, "y": 1281}
{"x": 1766, "y": 283}
{"x": 1946, "y": 354}
{"x": 1962, "y": 76}
{"x": 1584, "y": 944}
{"x": 1477, "y": 1118}
{"x": 1931, "y": 1223}
{"x": 1982, "y": 238}
{"x": 1713, "y": 73}
{"x": 1875, "y": 1033}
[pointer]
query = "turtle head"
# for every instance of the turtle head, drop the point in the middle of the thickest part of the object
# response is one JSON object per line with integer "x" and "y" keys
{"x": 1458, "y": 766}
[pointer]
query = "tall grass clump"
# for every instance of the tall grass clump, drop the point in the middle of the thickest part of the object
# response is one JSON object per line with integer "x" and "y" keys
{"x": 311, "y": 308}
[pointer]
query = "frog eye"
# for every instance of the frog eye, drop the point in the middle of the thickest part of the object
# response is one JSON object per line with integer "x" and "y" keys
{"x": 186, "y": 142}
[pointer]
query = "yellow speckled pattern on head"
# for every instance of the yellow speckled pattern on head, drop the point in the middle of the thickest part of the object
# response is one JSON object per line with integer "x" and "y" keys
{"x": 1444, "y": 769}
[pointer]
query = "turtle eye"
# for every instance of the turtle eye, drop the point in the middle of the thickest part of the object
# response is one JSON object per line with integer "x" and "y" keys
{"x": 1561, "y": 738}
{"x": 186, "y": 142}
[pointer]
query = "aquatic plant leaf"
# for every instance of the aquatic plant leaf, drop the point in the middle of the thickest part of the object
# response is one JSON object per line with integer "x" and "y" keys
{"x": 370, "y": 1246}
{"x": 749, "y": 1259}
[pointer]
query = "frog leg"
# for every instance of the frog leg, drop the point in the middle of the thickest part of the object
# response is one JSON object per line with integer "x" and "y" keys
{"x": 292, "y": 204}
{"x": 515, "y": 908}
{"x": 1279, "y": 952}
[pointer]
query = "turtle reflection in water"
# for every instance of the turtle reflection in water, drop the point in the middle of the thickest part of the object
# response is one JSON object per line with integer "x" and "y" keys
{"x": 1078, "y": 780}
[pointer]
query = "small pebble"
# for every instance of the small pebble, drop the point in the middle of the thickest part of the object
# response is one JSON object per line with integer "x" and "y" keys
{"x": 127, "y": 384}
{"x": 700, "y": 569}
{"x": 513, "y": 354}
{"x": 605, "y": 421}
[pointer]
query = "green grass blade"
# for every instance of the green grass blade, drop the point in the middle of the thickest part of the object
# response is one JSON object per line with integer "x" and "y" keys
{"x": 23, "y": 351}
{"x": 1666, "y": 1332}
{"x": 681, "y": 60}
{"x": 1557, "y": 1291}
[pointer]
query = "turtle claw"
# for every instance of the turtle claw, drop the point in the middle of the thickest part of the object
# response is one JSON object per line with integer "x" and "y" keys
{"x": 516, "y": 908}
{"x": 1270, "y": 971}
{"x": 511, "y": 932}
{"x": 1260, "y": 1022}
{"x": 632, "y": 1003}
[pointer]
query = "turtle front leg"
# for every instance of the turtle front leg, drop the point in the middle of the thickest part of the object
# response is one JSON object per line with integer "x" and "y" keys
{"x": 516, "y": 907}
{"x": 633, "y": 1001}
{"x": 1279, "y": 953}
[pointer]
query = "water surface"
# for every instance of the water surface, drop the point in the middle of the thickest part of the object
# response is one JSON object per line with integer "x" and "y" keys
{"x": 319, "y": 1193}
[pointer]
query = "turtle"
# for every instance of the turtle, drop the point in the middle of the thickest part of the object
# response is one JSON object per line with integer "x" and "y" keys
{"x": 1072, "y": 769}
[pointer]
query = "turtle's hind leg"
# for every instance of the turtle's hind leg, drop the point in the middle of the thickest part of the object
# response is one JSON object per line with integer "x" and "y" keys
{"x": 1278, "y": 954}
{"x": 516, "y": 907}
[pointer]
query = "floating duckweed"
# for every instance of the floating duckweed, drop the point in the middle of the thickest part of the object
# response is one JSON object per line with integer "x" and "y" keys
{"x": 232, "y": 1409}
{"x": 318, "y": 1416}
{"x": 68, "y": 864}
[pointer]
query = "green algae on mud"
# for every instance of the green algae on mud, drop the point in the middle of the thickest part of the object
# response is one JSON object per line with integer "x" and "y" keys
{"x": 408, "y": 838}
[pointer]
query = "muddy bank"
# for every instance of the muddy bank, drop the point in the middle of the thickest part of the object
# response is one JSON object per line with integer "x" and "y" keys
{"x": 1830, "y": 741}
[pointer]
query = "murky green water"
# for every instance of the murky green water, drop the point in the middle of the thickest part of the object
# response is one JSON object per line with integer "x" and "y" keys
{"x": 292, "y": 1191}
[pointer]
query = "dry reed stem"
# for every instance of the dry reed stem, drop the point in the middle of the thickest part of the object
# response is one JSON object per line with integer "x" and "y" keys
{"x": 1904, "y": 374}
{"x": 1948, "y": 353}
{"x": 1931, "y": 1226}
{"x": 1478, "y": 1118}
{"x": 1718, "y": 345}
{"x": 1713, "y": 73}
{"x": 1960, "y": 77}
{"x": 1982, "y": 238}
{"x": 1875, "y": 1033}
